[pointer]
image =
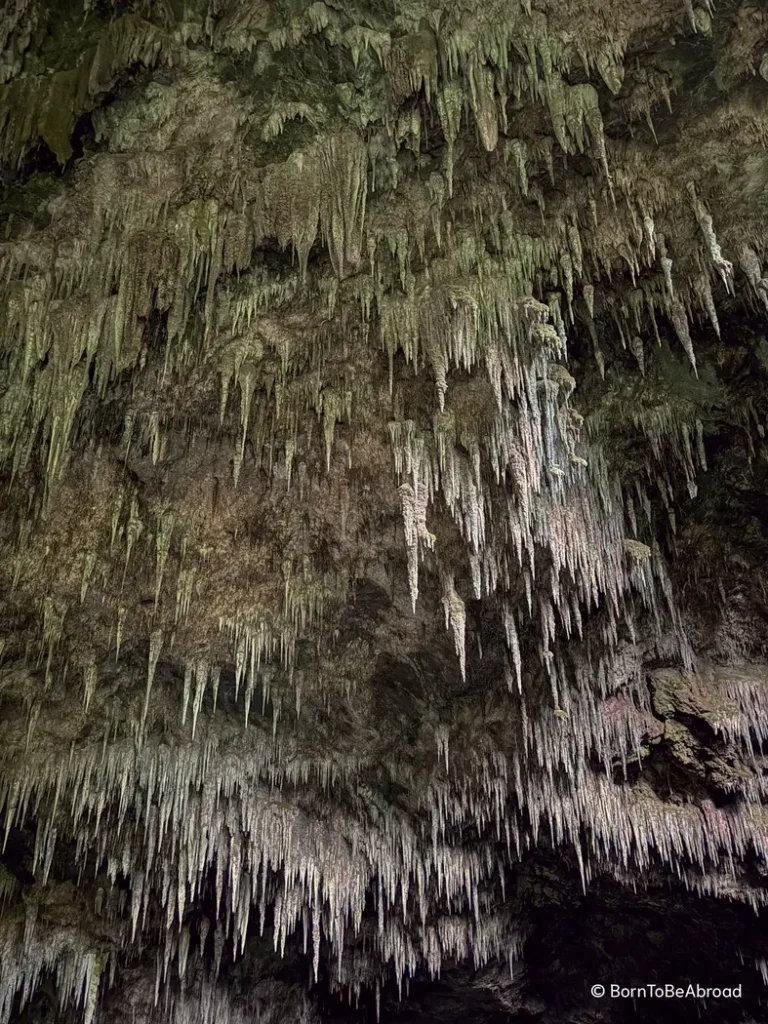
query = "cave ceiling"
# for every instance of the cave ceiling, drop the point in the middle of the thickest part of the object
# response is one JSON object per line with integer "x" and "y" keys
{"x": 383, "y": 509}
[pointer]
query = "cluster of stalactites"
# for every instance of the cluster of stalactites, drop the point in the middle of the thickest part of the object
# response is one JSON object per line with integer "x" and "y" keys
{"x": 527, "y": 464}
{"x": 93, "y": 325}
{"x": 35, "y": 106}
{"x": 188, "y": 824}
{"x": 736, "y": 700}
{"x": 195, "y": 811}
{"x": 204, "y": 1001}
{"x": 30, "y": 950}
{"x": 322, "y": 190}
{"x": 137, "y": 255}
{"x": 83, "y": 316}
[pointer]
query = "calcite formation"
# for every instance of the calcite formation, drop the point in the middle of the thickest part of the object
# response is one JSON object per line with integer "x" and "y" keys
{"x": 383, "y": 398}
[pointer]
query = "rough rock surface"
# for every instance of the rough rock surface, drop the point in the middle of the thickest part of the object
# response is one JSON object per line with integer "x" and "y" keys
{"x": 383, "y": 509}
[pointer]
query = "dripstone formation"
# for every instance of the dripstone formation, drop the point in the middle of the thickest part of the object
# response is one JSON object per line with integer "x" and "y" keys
{"x": 383, "y": 510}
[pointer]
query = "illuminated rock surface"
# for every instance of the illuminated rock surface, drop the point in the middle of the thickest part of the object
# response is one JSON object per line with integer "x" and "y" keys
{"x": 384, "y": 509}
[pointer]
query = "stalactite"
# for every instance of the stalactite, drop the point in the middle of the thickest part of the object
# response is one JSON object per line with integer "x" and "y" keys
{"x": 455, "y": 620}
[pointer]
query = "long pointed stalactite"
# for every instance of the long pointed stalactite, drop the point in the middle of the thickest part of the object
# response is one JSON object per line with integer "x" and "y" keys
{"x": 383, "y": 517}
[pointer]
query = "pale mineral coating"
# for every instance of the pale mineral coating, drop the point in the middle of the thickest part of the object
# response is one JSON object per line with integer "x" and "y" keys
{"x": 358, "y": 369}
